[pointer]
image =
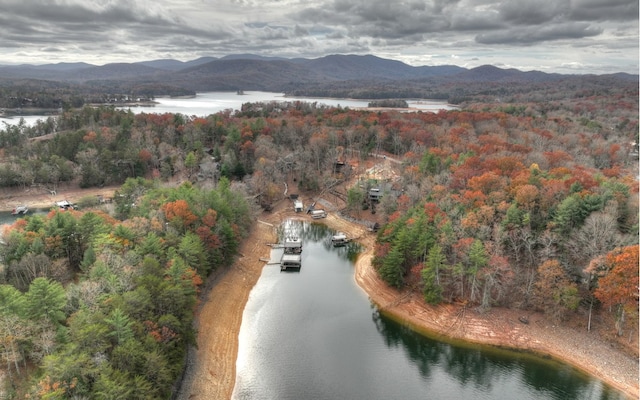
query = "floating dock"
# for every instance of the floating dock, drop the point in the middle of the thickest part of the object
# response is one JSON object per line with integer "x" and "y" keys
{"x": 292, "y": 245}
{"x": 290, "y": 261}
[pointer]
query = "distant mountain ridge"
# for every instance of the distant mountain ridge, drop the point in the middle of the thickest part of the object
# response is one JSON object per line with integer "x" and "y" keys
{"x": 254, "y": 72}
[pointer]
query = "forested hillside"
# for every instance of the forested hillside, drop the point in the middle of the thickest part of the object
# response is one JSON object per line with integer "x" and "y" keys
{"x": 531, "y": 205}
{"x": 96, "y": 307}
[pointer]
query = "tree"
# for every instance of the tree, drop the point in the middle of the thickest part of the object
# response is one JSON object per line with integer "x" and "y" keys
{"x": 598, "y": 235}
{"x": 14, "y": 329}
{"x": 190, "y": 162}
{"x": 355, "y": 199}
{"x": 478, "y": 259}
{"x": 46, "y": 299}
{"x": 179, "y": 215}
{"x": 193, "y": 253}
{"x": 569, "y": 214}
{"x": 70, "y": 371}
{"x": 432, "y": 290}
{"x": 554, "y": 291}
{"x": 391, "y": 269}
{"x": 120, "y": 325}
{"x": 618, "y": 289}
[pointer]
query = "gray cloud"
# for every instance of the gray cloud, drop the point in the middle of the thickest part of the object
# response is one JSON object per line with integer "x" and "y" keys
{"x": 604, "y": 10}
{"x": 419, "y": 31}
{"x": 533, "y": 34}
{"x": 532, "y": 12}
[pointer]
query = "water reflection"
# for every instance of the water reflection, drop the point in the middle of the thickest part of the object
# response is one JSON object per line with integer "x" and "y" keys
{"x": 483, "y": 368}
{"x": 314, "y": 335}
{"x": 320, "y": 233}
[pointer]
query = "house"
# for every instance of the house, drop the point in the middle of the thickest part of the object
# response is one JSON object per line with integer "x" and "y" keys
{"x": 298, "y": 206}
{"x": 375, "y": 194}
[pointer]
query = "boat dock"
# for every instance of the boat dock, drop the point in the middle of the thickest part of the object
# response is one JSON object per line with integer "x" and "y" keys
{"x": 290, "y": 261}
{"x": 291, "y": 255}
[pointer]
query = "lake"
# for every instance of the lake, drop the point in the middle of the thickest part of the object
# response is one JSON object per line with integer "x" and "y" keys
{"x": 207, "y": 103}
{"x": 204, "y": 104}
{"x": 313, "y": 334}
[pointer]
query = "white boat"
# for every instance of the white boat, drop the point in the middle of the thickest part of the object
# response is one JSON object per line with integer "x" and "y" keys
{"x": 64, "y": 205}
{"x": 20, "y": 210}
{"x": 339, "y": 239}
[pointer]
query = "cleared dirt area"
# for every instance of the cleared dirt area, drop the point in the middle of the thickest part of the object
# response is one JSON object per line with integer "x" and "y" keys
{"x": 41, "y": 198}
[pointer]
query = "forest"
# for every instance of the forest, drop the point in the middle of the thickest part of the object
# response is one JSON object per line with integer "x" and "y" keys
{"x": 526, "y": 204}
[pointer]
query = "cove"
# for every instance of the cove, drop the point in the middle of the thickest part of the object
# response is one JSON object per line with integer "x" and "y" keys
{"x": 313, "y": 334}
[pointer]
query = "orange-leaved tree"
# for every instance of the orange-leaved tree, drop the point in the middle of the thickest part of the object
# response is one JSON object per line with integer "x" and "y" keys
{"x": 179, "y": 215}
{"x": 618, "y": 289}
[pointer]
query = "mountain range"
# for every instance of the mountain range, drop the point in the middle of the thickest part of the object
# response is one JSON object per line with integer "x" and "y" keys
{"x": 253, "y": 72}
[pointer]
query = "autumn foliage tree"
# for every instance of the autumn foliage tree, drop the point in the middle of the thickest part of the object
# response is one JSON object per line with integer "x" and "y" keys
{"x": 555, "y": 293}
{"x": 618, "y": 288}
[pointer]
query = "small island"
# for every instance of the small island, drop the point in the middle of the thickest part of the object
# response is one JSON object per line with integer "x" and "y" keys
{"x": 388, "y": 103}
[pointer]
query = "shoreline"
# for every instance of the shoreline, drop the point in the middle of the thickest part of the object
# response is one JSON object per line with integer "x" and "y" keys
{"x": 39, "y": 198}
{"x": 537, "y": 338}
{"x": 211, "y": 368}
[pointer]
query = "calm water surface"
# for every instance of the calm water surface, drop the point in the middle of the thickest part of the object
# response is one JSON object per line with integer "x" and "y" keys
{"x": 207, "y": 103}
{"x": 313, "y": 334}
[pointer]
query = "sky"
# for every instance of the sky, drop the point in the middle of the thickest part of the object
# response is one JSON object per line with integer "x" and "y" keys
{"x": 564, "y": 36}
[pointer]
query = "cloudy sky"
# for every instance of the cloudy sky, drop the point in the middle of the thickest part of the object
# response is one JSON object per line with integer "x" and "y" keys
{"x": 566, "y": 36}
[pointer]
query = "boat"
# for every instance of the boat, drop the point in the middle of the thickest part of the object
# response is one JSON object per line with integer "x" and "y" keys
{"x": 65, "y": 205}
{"x": 292, "y": 245}
{"x": 20, "y": 210}
{"x": 339, "y": 239}
{"x": 290, "y": 262}
{"x": 317, "y": 214}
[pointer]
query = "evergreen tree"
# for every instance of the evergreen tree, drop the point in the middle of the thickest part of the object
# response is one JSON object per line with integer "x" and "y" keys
{"x": 46, "y": 299}
{"x": 435, "y": 263}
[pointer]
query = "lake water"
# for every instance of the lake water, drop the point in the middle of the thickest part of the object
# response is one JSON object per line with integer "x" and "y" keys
{"x": 29, "y": 120}
{"x": 204, "y": 104}
{"x": 314, "y": 335}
